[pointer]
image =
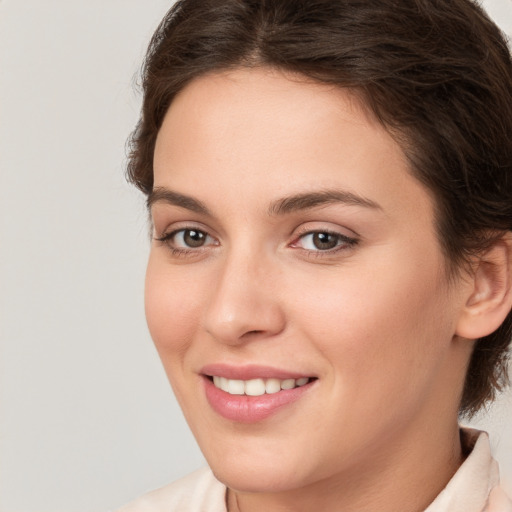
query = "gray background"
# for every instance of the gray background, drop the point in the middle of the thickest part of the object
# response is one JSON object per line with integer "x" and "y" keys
{"x": 87, "y": 419}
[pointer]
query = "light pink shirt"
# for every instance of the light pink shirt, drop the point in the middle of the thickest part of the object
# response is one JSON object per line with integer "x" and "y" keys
{"x": 473, "y": 488}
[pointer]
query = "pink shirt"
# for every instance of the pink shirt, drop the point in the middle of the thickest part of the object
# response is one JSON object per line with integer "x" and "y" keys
{"x": 473, "y": 488}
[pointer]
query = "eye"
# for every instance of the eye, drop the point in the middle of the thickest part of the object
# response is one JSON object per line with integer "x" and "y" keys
{"x": 187, "y": 238}
{"x": 192, "y": 238}
{"x": 323, "y": 241}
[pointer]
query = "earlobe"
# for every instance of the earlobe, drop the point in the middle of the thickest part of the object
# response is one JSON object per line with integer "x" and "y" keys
{"x": 489, "y": 300}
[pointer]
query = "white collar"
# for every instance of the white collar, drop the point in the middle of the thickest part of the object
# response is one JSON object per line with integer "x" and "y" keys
{"x": 470, "y": 488}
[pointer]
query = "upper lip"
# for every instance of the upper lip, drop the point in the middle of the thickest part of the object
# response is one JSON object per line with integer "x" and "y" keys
{"x": 250, "y": 371}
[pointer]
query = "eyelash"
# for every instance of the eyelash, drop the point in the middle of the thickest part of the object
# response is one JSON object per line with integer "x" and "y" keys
{"x": 343, "y": 242}
{"x": 167, "y": 239}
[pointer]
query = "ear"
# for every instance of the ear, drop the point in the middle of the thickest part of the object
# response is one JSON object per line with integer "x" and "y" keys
{"x": 489, "y": 299}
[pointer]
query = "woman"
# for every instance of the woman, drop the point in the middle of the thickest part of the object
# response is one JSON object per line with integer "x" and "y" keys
{"x": 329, "y": 283}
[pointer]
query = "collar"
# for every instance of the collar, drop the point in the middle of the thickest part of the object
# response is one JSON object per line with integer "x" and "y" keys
{"x": 470, "y": 488}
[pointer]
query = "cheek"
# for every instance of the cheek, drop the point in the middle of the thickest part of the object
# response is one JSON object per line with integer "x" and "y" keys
{"x": 171, "y": 305}
{"x": 382, "y": 332}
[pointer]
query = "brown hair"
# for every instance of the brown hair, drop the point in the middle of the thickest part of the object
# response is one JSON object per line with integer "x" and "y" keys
{"x": 436, "y": 73}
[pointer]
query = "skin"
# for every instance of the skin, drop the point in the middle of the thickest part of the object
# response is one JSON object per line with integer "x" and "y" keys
{"x": 375, "y": 321}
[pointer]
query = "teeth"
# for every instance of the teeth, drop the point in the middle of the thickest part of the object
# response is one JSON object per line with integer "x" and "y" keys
{"x": 236, "y": 387}
{"x": 288, "y": 384}
{"x": 272, "y": 386}
{"x": 223, "y": 384}
{"x": 256, "y": 387}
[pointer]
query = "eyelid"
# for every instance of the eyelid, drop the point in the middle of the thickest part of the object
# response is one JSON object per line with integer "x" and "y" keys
{"x": 167, "y": 238}
{"x": 325, "y": 225}
{"x": 165, "y": 227}
{"x": 347, "y": 241}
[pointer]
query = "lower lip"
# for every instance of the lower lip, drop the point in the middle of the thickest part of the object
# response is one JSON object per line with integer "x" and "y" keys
{"x": 250, "y": 409}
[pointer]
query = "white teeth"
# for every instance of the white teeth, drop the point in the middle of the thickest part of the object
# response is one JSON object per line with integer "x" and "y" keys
{"x": 288, "y": 384}
{"x": 224, "y": 384}
{"x": 272, "y": 386}
{"x": 256, "y": 387}
{"x": 236, "y": 387}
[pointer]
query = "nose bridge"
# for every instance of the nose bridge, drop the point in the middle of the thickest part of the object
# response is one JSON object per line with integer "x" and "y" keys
{"x": 244, "y": 299}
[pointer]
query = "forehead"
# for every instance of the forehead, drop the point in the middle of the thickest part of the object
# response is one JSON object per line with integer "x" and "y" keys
{"x": 276, "y": 133}
{"x": 265, "y": 94}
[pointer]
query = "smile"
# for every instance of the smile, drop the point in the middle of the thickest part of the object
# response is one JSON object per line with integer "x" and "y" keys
{"x": 257, "y": 387}
{"x": 252, "y": 394}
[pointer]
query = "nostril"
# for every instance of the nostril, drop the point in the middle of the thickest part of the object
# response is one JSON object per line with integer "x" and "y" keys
{"x": 252, "y": 333}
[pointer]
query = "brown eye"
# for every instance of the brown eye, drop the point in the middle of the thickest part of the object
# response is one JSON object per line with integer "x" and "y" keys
{"x": 187, "y": 239}
{"x": 192, "y": 237}
{"x": 325, "y": 241}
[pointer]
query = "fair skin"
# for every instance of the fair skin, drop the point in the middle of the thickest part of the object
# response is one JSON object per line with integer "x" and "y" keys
{"x": 346, "y": 286}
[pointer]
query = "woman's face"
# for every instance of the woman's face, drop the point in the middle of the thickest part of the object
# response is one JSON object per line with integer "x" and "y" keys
{"x": 292, "y": 245}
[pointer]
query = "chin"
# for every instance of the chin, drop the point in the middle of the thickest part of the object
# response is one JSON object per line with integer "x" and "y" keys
{"x": 262, "y": 467}
{"x": 251, "y": 478}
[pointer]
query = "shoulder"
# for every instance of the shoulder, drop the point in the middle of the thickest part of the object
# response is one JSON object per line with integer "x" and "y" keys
{"x": 475, "y": 487}
{"x": 198, "y": 492}
{"x": 498, "y": 501}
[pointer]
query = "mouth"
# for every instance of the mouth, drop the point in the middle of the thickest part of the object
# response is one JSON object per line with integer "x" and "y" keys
{"x": 251, "y": 394}
{"x": 258, "y": 386}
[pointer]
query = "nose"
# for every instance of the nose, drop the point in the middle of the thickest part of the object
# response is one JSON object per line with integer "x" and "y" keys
{"x": 245, "y": 302}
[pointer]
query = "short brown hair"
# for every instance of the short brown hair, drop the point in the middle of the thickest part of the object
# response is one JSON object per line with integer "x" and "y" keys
{"x": 436, "y": 73}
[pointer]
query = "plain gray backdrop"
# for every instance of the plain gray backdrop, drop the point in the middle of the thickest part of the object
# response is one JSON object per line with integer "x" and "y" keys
{"x": 87, "y": 418}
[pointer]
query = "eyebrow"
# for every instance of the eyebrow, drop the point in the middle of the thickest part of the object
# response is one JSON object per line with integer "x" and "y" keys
{"x": 164, "y": 195}
{"x": 290, "y": 204}
{"x": 310, "y": 200}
